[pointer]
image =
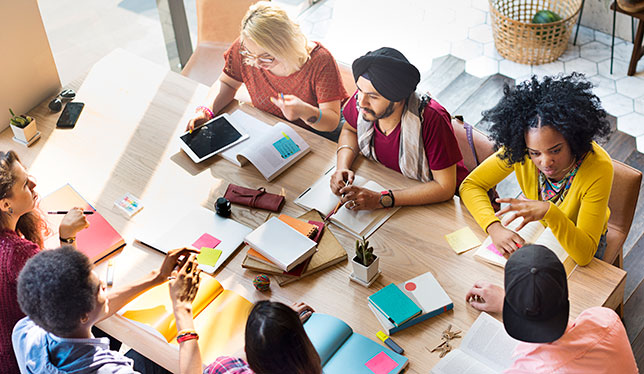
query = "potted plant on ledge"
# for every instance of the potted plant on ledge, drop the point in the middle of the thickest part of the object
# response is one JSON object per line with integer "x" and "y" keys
{"x": 24, "y": 128}
{"x": 365, "y": 264}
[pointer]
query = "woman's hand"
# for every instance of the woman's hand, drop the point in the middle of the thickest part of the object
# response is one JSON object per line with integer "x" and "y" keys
{"x": 303, "y": 311}
{"x": 530, "y": 210}
{"x": 292, "y": 107}
{"x": 73, "y": 222}
{"x": 486, "y": 296}
{"x": 184, "y": 286}
{"x": 359, "y": 198}
{"x": 197, "y": 120}
{"x": 340, "y": 179}
{"x": 505, "y": 240}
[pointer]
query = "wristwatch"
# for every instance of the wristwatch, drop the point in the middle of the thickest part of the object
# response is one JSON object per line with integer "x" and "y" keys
{"x": 387, "y": 199}
{"x": 67, "y": 240}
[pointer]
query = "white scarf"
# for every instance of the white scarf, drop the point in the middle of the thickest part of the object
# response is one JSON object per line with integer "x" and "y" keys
{"x": 412, "y": 157}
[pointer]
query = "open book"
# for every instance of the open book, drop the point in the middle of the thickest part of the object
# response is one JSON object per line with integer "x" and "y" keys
{"x": 534, "y": 233}
{"x": 220, "y": 316}
{"x": 358, "y": 223}
{"x": 486, "y": 349}
{"x": 272, "y": 149}
{"x": 343, "y": 351}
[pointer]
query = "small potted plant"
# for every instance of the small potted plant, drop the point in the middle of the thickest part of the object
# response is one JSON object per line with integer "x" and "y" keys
{"x": 24, "y": 127}
{"x": 365, "y": 263}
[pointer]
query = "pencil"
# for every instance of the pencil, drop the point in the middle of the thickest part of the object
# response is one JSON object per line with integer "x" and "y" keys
{"x": 67, "y": 211}
{"x": 334, "y": 211}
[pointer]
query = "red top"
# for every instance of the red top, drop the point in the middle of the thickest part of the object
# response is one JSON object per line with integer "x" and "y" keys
{"x": 14, "y": 253}
{"x": 440, "y": 143}
{"x": 318, "y": 81}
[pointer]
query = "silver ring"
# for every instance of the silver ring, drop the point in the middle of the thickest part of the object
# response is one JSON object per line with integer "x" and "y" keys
{"x": 353, "y": 204}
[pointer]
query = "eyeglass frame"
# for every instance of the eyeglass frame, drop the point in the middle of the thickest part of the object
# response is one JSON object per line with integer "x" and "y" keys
{"x": 262, "y": 62}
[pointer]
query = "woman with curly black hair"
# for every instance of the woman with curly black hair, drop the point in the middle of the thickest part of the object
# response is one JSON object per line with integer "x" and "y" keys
{"x": 545, "y": 131}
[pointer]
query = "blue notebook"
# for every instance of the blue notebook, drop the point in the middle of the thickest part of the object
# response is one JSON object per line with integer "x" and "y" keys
{"x": 397, "y": 307}
{"x": 343, "y": 351}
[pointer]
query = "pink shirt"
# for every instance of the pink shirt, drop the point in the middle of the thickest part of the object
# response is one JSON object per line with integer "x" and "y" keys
{"x": 595, "y": 342}
{"x": 440, "y": 143}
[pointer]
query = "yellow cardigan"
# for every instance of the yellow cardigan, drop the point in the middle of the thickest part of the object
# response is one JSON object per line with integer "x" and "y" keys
{"x": 579, "y": 220}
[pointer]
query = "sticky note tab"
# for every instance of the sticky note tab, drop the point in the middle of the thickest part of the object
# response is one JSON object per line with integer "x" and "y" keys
{"x": 206, "y": 240}
{"x": 493, "y": 249}
{"x": 381, "y": 364}
{"x": 462, "y": 240}
{"x": 208, "y": 256}
{"x": 286, "y": 147}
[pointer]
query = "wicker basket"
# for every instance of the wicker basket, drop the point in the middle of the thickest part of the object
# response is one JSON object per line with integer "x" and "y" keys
{"x": 519, "y": 40}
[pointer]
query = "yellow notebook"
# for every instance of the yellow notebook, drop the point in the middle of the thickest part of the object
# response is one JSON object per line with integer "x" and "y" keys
{"x": 219, "y": 316}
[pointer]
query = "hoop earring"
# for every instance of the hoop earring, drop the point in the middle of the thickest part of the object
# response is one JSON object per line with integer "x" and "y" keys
{"x": 10, "y": 210}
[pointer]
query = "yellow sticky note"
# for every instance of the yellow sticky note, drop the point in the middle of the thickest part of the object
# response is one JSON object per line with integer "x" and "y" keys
{"x": 208, "y": 256}
{"x": 462, "y": 240}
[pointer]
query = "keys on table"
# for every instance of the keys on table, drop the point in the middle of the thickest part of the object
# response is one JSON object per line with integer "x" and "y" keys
{"x": 444, "y": 347}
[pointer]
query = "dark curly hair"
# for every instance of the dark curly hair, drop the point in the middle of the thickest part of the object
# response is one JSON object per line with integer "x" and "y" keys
{"x": 55, "y": 290}
{"x": 564, "y": 102}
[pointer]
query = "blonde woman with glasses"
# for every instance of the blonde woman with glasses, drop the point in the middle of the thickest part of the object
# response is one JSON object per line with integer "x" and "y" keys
{"x": 286, "y": 75}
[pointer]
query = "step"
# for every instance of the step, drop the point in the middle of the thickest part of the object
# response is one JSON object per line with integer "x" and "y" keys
{"x": 634, "y": 267}
{"x": 485, "y": 97}
{"x": 444, "y": 70}
{"x": 459, "y": 91}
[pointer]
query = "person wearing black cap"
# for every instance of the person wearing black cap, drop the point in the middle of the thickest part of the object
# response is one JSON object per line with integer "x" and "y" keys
{"x": 389, "y": 122}
{"x": 535, "y": 309}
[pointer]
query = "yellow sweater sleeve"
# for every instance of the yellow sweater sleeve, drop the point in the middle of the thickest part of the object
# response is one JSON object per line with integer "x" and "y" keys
{"x": 473, "y": 190}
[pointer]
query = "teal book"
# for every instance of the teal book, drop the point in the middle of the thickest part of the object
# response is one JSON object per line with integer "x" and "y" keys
{"x": 343, "y": 351}
{"x": 397, "y": 307}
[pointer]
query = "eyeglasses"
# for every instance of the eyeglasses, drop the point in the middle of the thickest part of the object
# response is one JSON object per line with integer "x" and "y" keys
{"x": 57, "y": 104}
{"x": 262, "y": 61}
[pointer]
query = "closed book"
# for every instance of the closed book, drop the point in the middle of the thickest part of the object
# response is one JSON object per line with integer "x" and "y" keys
{"x": 281, "y": 244}
{"x": 394, "y": 304}
{"x": 425, "y": 291}
{"x": 96, "y": 241}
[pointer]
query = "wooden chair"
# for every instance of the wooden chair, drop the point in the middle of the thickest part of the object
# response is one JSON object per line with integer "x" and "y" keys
{"x": 483, "y": 147}
{"x": 347, "y": 78}
{"x": 218, "y": 25}
{"x": 622, "y": 203}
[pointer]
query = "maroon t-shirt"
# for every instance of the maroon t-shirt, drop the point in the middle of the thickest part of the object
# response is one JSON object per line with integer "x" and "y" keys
{"x": 441, "y": 146}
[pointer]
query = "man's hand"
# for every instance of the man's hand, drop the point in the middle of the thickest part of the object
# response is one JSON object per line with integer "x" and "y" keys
{"x": 486, "y": 296}
{"x": 340, "y": 179}
{"x": 359, "y": 198}
{"x": 73, "y": 222}
{"x": 171, "y": 261}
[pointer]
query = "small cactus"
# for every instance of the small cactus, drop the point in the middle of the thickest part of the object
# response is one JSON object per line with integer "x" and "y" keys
{"x": 20, "y": 121}
{"x": 364, "y": 253}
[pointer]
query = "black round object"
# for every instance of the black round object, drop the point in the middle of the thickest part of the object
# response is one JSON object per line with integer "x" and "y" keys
{"x": 222, "y": 207}
{"x": 55, "y": 105}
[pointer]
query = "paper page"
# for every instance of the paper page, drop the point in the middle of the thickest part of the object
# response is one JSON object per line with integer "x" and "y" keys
{"x": 459, "y": 362}
{"x": 488, "y": 251}
{"x": 268, "y": 156}
{"x": 548, "y": 239}
{"x": 327, "y": 333}
{"x": 353, "y": 356}
{"x": 462, "y": 240}
{"x": 320, "y": 197}
{"x": 358, "y": 221}
{"x": 488, "y": 342}
{"x": 255, "y": 128}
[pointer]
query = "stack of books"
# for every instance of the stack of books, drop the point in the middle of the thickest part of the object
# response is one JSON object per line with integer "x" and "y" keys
{"x": 294, "y": 263}
{"x": 399, "y": 306}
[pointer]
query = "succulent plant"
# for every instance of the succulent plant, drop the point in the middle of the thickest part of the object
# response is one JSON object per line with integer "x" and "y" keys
{"x": 364, "y": 253}
{"x": 20, "y": 121}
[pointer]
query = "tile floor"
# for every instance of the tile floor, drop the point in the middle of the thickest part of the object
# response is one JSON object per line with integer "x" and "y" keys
{"x": 424, "y": 30}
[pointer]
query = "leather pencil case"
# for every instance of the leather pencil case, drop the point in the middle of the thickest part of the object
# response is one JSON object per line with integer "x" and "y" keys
{"x": 258, "y": 198}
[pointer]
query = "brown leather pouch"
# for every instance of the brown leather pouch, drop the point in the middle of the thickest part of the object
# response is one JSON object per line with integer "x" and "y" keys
{"x": 258, "y": 198}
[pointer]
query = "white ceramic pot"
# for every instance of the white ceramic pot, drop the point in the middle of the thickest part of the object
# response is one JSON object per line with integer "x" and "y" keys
{"x": 366, "y": 273}
{"x": 25, "y": 134}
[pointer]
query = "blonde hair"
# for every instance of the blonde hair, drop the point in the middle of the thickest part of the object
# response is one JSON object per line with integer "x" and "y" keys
{"x": 271, "y": 28}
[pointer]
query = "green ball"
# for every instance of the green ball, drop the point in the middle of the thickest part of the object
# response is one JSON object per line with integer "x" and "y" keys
{"x": 262, "y": 282}
{"x": 545, "y": 16}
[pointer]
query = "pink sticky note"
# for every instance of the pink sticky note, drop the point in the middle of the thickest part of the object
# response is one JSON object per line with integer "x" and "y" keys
{"x": 206, "y": 240}
{"x": 492, "y": 248}
{"x": 381, "y": 364}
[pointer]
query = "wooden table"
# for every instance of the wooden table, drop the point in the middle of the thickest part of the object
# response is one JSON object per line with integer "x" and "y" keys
{"x": 126, "y": 141}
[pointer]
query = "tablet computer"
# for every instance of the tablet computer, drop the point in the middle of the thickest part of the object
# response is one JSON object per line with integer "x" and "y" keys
{"x": 214, "y": 136}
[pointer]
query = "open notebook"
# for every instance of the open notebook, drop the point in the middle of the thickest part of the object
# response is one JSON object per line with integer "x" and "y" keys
{"x": 343, "y": 351}
{"x": 359, "y": 223}
{"x": 272, "y": 149}
{"x": 486, "y": 349}
{"x": 534, "y": 233}
{"x": 220, "y": 316}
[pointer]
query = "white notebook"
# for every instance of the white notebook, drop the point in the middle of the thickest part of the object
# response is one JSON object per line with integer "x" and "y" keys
{"x": 359, "y": 222}
{"x": 281, "y": 243}
{"x": 185, "y": 231}
{"x": 272, "y": 149}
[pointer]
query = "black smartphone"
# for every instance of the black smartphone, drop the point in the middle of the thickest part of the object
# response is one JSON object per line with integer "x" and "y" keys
{"x": 70, "y": 114}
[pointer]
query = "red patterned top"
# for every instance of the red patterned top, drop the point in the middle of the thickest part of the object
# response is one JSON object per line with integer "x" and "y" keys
{"x": 318, "y": 81}
{"x": 14, "y": 253}
{"x": 228, "y": 365}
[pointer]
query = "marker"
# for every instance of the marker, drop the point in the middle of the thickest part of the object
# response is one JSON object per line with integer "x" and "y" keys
{"x": 67, "y": 211}
{"x": 390, "y": 343}
{"x": 109, "y": 277}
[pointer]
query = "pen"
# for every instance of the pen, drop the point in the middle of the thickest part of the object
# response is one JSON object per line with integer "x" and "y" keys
{"x": 109, "y": 277}
{"x": 67, "y": 211}
{"x": 390, "y": 343}
{"x": 282, "y": 96}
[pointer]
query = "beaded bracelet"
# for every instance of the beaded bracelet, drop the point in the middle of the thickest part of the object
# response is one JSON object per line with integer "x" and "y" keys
{"x": 319, "y": 117}
{"x": 206, "y": 110}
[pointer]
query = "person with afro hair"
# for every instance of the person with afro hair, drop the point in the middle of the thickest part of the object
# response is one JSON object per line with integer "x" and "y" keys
{"x": 545, "y": 131}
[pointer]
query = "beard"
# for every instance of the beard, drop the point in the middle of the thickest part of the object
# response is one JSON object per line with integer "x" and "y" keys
{"x": 386, "y": 113}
